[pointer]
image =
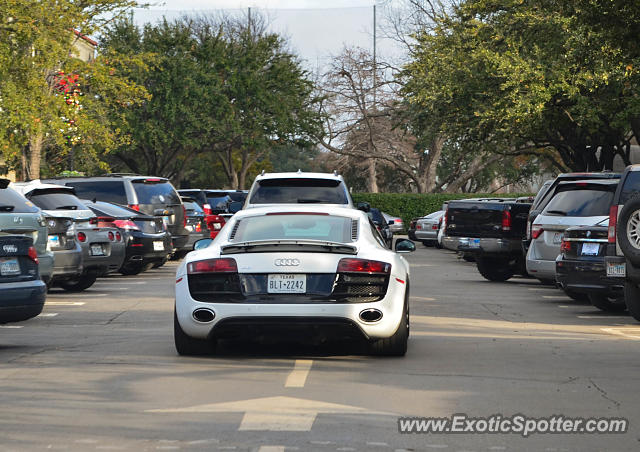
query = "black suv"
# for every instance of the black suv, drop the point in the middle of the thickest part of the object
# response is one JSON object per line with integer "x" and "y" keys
{"x": 149, "y": 195}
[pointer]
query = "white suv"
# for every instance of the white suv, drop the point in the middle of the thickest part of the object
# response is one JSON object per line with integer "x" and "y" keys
{"x": 298, "y": 188}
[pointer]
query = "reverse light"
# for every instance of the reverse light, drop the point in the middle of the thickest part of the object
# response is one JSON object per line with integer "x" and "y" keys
{"x": 352, "y": 265}
{"x": 613, "y": 223}
{"x": 127, "y": 225}
{"x": 33, "y": 254}
{"x": 222, "y": 265}
{"x": 536, "y": 231}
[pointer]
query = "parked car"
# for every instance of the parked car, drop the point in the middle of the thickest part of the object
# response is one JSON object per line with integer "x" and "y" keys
{"x": 575, "y": 203}
{"x": 298, "y": 188}
{"x": 22, "y": 292}
{"x": 147, "y": 241}
{"x": 100, "y": 251}
{"x": 428, "y": 227}
{"x": 221, "y": 203}
{"x": 381, "y": 225}
{"x": 149, "y": 195}
{"x": 549, "y": 189}
{"x": 580, "y": 267}
{"x": 19, "y": 216}
{"x": 213, "y": 220}
{"x": 623, "y": 251}
{"x": 198, "y": 196}
{"x": 396, "y": 225}
{"x": 196, "y": 224}
{"x": 319, "y": 269}
{"x": 490, "y": 231}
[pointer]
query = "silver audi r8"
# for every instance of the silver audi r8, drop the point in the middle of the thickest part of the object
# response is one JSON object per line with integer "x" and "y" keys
{"x": 308, "y": 270}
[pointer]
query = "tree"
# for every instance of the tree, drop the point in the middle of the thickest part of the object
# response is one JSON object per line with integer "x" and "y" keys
{"x": 36, "y": 53}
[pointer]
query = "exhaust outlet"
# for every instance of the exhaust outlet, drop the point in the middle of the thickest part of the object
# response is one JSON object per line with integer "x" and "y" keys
{"x": 370, "y": 315}
{"x": 203, "y": 315}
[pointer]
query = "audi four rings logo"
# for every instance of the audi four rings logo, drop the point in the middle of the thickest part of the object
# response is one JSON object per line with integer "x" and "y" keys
{"x": 287, "y": 262}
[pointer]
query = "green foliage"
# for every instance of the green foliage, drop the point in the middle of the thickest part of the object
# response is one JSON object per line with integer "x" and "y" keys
{"x": 413, "y": 205}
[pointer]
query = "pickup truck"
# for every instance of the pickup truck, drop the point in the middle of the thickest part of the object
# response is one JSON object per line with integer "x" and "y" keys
{"x": 492, "y": 230}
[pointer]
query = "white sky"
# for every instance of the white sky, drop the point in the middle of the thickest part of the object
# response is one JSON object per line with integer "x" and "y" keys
{"x": 317, "y": 29}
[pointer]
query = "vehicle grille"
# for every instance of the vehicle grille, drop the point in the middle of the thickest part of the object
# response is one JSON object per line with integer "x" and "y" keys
{"x": 354, "y": 230}
{"x": 234, "y": 230}
{"x": 358, "y": 288}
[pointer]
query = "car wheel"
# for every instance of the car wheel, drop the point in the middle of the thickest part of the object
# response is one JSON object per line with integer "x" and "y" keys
{"x": 632, "y": 299}
{"x": 427, "y": 243}
{"x": 187, "y": 345}
{"x": 438, "y": 245}
{"x": 577, "y": 296}
{"x": 131, "y": 269}
{"x": 629, "y": 230}
{"x": 160, "y": 263}
{"x": 396, "y": 345}
{"x": 607, "y": 303}
{"x": 494, "y": 269}
{"x": 79, "y": 284}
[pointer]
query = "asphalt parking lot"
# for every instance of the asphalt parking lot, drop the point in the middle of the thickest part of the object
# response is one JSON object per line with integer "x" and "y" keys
{"x": 98, "y": 371}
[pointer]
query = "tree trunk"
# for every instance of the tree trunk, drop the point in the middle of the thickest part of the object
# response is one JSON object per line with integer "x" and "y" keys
{"x": 35, "y": 150}
{"x": 433, "y": 158}
{"x": 474, "y": 168}
{"x": 373, "y": 183}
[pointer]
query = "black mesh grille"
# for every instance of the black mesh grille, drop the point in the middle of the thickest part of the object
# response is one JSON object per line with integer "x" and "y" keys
{"x": 354, "y": 230}
{"x": 215, "y": 287}
{"x": 358, "y": 288}
{"x": 234, "y": 230}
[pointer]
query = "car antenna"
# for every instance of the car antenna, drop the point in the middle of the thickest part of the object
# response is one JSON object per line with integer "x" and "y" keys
{"x": 262, "y": 173}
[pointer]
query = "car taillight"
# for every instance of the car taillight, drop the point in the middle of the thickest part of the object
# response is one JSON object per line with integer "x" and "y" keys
{"x": 207, "y": 209}
{"x": 198, "y": 228}
{"x": 506, "y": 220}
{"x": 565, "y": 246}
{"x": 528, "y": 230}
{"x": 82, "y": 236}
{"x": 536, "y": 230}
{"x": 118, "y": 236}
{"x": 352, "y": 265}
{"x": 135, "y": 207}
{"x": 418, "y": 226}
{"x": 184, "y": 217}
{"x": 127, "y": 225}
{"x": 222, "y": 265}
{"x": 112, "y": 236}
{"x": 613, "y": 223}
{"x": 33, "y": 254}
{"x": 435, "y": 226}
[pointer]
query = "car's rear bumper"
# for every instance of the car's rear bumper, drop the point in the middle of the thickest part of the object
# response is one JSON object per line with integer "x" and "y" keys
{"x": 21, "y": 300}
{"x": 67, "y": 263}
{"x": 485, "y": 245}
{"x": 431, "y": 234}
{"x": 587, "y": 276}
{"x": 541, "y": 269}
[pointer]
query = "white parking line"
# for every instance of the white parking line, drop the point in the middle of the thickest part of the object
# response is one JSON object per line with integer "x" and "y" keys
{"x": 298, "y": 376}
{"x": 77, "y": 295}
{"x": 48, "y": 314}
{"x": 11, "y": 327}
{"x": 554, "y": 297}
{"x": 271, "y": 449}
{"x": 65, "y": 303}
{"x": 119, "y": 281}
{"x": 603, "y": 317}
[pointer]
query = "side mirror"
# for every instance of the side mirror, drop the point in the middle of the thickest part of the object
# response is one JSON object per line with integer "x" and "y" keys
{"x": 235, "y": 206}
{"x": 403, "y": 246}
{"x": 204, "y": 243}
{"x": 364, "y": 206}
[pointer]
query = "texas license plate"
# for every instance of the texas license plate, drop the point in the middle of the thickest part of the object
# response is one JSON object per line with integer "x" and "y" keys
{"x": 54, "y": 241}
{"x": 287, "y": 283}
{"x": 158, "y": 246}
{"x": 97, "y": 250}
{"x": 590, "y": 249}
{"x": 474, "y": 243}
{"x": 9, "y": 267}
{"x": 616, "y": 269}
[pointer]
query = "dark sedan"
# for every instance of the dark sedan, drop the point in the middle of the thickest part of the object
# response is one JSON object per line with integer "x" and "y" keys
{"x": 22, "y": 292}
{"x": 580, "y": 267}
{"x": 147, "y": 240}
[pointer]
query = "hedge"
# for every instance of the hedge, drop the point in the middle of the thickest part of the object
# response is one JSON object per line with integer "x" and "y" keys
{"x": 412, "y": 205}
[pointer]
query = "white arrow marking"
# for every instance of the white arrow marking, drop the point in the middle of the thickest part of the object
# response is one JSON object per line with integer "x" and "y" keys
{"x": 273, "y": 413}
{"x": 299, "y": 374}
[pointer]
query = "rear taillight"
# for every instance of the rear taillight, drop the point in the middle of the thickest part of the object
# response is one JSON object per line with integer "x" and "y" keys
{"x": 222, "y": 265}
{"x": 418, "y": 226}
{"x": 112, "y": 236}
{"x": 127, "y": 225}
{"x": 207, "y": 209}
{"x": 33, "y": 254}
{"x": 198, "y": 228}
{"x": 352, "y": 265}
{"x": 565, "y": 246}
{"x": 613, "y": 223}
{"x": 506, "y": 220}
{"x": 536, "y": 230}
{"x": 118, "y": 236}
{"x": 82, "y": 237}
{"x": 435, "y": 226}
{"x": 135, "y": 207}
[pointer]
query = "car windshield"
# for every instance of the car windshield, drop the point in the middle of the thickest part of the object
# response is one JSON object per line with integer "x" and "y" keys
{"x": 302, "y": 191}
{"x": 155, "y": 192}
{"x": 219, "y": 204}
{"x": 433, "y": 215}
{"x": 294, "y": 226}
{"x": 589, "y": 202}
{"x": 56, "y": 200}
{"x": 109, "y": 191}
{"x": 13, "y": 202}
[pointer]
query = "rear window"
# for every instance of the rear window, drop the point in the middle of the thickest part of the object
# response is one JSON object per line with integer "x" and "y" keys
{"x": 109, "y": 191}
{"x": 237, "y": 196}
{"x": 376, "y": 216}
{"x": 631, "y": 186}
{"x": 155, "y": 192}
{"x": 433, "y": 215}
{"x": 302, "y": 191}
{"x": 56, "y": 200}
{"x": 581, "y": 203}
{"x": 192, "y": 207}
{"x": 220, "y": 204}
{"x": 303, "y": 227}
{"x": 14, "y": 202}
{"x": 112, "y": 211}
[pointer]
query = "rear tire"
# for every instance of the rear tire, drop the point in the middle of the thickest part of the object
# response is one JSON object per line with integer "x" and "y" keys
{"x": 606, "y": 303}
{"x": 497, "y": 270}
{"x": 629, "y": 213}
{"x": 632, "y": 299}
{"x": 576, "y": 296}
{"x": 187, "y": 345}
{"x": 397, "y": 344}
{"x": 80, "y": 283}
{"x": 131, "y": 269}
